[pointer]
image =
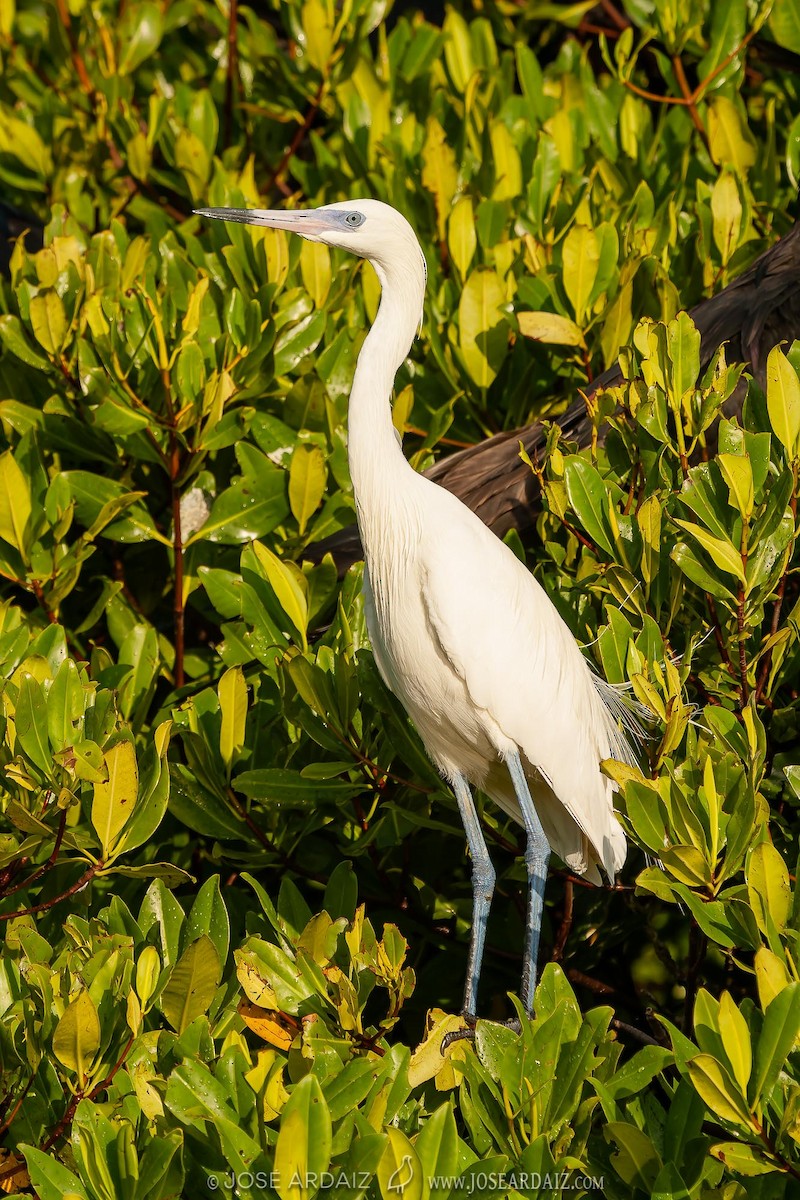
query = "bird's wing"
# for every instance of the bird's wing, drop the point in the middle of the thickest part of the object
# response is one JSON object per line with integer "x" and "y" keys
{"x": 502, "y": 635}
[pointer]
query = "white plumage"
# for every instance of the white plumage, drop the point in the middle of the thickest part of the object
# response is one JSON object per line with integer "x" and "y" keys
{"x": 462, "y": 633}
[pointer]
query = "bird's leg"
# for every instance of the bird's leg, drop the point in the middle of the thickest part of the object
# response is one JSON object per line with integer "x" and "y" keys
{"x": 537, "y": 856}
{"x": 483, "y": 878}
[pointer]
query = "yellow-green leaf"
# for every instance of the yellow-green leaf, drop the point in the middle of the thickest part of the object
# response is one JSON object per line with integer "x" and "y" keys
{"x": 307, "y": 479}
{"x": 439, "y": 172}
{"x": 783, "y": 401}
{"x": 743, "y": 1159}
{"x": 717, "y": 1090}
{"x": 461, "y": 237}
{"x": 736, "y": 1040}
{"x": 192, "y": 985}
{"x": 726, "y": 215}
{"x": 191, "y": 321}
{"x": 771, "y": 976}
{"x": 76, "y": 1038}
{"x": 115, "y": 798}
{"x": 482, "y": 328}
{"x": 506, "y": 161}
{"x": 580, "y": 260}
{"x": 287, "y": 588}
{"x": 768, "y": 886}
{"x": 550, "y": 327}
{"x": 400, "y": 1171}
{"x": 730, "y": 141}
{"x": 232, "y": 692}
{"x": 48, "y": 320}
{"x": 15, "y": 502}
{"x": 722, "y": 553}
{"x": 737, "y": 472}
{"x": 315, "y": 269}
{"x": 303, "y": 1148}
{"x": 317, "y": 20}
{"x": 648, "y": 518}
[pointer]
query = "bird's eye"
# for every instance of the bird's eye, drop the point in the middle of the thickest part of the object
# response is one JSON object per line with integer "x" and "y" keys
{"x": 354, "y": 219}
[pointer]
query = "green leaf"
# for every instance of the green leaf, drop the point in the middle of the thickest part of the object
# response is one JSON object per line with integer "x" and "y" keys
{"x": 50, "y": 1178}
{"x": 153, "y": 799}
{"x": 192, "y": 985}
{"x": 637, "y": 1159}
{"x": 778, "y": 1035}
{"x": 723, "y": 553}
{"x": 76, "y": 1038}
{"x": 249, "y": 508}
{"x": 784, "y": 23}
{"x": 31, "y": 723}
{"x": 587, "y": 494}
{"x": 14, "y": 338}
{"x": 437, "y": 1147}
{"x": 307, "y": 480}
{"x": 718, "y": 1090}
{"x": 783, "y": 401}
{"x": 683, "y": 343}
{"x": 140, "y": 33}
{"x": 208, "y": 915}
{"x": 685, "y": 558}
{"x": 303, "y": 1148}
{"x": 15, "y": 502}
{"x": 65, "y": 705}
{"x": 285, "y": 582}
{"x": 282, "y": 786}
{"x": 115, "y": 798}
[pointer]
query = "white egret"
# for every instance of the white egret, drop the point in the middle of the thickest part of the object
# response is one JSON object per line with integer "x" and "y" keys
{"x": 462, "y": 633}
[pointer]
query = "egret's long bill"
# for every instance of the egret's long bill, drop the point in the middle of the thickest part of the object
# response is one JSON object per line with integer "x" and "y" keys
{"x": 312, "y": 223}
{"x": 462, "y": 632}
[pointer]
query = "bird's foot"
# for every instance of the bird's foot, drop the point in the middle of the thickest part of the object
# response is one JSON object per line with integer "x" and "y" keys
{"x": 468, "y": 1033}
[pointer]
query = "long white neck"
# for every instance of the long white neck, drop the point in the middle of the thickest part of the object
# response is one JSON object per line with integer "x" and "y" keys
{"x": 377, "y": 463}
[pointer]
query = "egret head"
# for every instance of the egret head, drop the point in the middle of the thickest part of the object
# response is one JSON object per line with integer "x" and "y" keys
{"x": 367, "y": 228}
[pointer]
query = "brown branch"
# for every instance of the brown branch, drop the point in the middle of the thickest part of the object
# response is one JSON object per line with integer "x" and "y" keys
{"x": 566, "y": 923}
{"x": 74, "y": 52}
{"x": 46, "y": 904}
{"x": 38, "y": 592}
{"x": 177, "y": 546}
{"x": 7, "y": 1123}
{"x": 232, "y": 74}
{"x": 723, "y": 649}
{"x": 763, "y": 675}
{"x": 698, "y": 942}
{"x": 686, "y": 92}
{"x": 633, "y": 1032}
{"x": 740, "y": 626}
{"x": 297, "y": 140}
{"x": 613, "y": 13}
{"x": 40, "y": 871}
{"x": 66, "y": 1120}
